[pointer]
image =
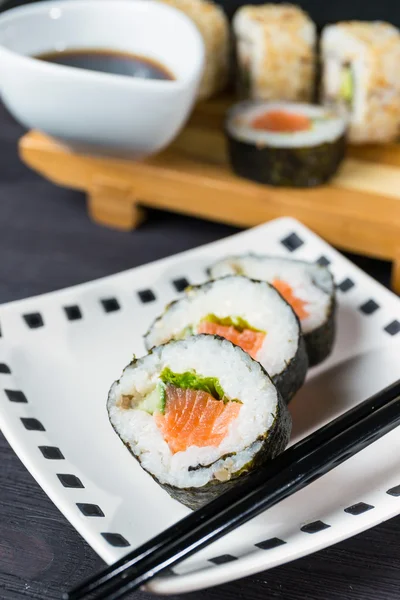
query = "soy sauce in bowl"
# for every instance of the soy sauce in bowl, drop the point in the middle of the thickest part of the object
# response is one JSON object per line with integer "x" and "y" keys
{"x": 110, "y": 61}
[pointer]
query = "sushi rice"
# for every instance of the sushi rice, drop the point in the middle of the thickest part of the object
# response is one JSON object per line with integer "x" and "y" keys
{"x": 308, "y": 287}
{"x": 251, "y": 314}
{"x": 258, "y": 429}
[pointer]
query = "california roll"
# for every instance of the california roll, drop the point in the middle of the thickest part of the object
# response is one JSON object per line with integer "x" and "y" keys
{"x": 360, "y": 76}
{"x": 275, "y": 52}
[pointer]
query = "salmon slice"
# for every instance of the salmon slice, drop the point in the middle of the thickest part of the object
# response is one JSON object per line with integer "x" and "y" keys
{"x": 296, "y": 303}
{"x": 281, "y": 121}
{"x": 194, "y": 418}
{"x": 250, "y": 341}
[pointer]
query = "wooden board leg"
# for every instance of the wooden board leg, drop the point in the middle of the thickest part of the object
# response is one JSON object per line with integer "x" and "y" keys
{"x": 114, "y": 207}
{"x": 396, "y": 273}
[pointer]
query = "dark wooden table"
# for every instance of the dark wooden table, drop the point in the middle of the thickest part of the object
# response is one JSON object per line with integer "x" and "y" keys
{"x": 47, "y": 242}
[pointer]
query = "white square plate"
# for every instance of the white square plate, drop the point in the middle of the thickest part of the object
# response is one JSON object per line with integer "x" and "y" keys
{"x": 60, "y": 352}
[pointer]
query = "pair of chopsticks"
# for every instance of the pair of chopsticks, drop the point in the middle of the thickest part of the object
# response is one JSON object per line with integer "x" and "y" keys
{"x": 288, "y": 473}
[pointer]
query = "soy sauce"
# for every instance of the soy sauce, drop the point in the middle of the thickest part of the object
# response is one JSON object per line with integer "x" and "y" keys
{"x": 109, "y": 61}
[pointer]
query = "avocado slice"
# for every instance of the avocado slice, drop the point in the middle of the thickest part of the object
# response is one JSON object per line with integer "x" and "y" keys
{"x": 154, "y": 401}
{"x": 237, "y": 322}
{"x": 346, "y": 84}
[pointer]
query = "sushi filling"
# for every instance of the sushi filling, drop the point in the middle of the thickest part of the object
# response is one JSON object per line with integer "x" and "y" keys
{"x": 347, "y": 85}
{"x": 236, "y": 330}
{"x": 339, "y": 84}
{"x": 295, "y": 302}
{"x": 197, "y": 411}
{"x": 188, "y": 409}
{"x": 282, "y": 121}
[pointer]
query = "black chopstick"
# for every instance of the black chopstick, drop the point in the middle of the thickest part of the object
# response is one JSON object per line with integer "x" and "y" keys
{"x": 298, "y": 466}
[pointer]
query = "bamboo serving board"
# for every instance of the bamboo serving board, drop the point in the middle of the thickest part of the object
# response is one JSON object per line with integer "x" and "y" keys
{"x": 359, "y": 211}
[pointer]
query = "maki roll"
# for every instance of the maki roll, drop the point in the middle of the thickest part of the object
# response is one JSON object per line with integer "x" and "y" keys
{"x": 360, "y": 75}
{"x": 251, "y": 314}
{"x": 308, "y": 287}
{"x": 285, "y": 144}
{"x": 213, "y": 25}
{"x": 275, "y": 52}
{"x": 198, "y": 414}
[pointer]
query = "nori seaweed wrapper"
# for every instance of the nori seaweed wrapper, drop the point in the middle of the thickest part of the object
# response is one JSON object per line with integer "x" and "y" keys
{"x": 291, "y": 379}
{"x": 292, "y": 167}
{"x": 319, "y": 343}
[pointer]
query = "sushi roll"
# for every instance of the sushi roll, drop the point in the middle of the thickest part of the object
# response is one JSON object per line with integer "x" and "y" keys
{"x": 285, "y": 144}
{"x": 252, "y": 315}
{"x": 275, "y": 53}
{"x": 198, "y": 414}
{"x": 213, "y": 25}
{"x": 360, "y": 75}
{"x": 308, "y": 287}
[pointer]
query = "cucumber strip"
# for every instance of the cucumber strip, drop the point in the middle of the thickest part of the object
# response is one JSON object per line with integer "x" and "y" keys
{"x": 155, "y": 400}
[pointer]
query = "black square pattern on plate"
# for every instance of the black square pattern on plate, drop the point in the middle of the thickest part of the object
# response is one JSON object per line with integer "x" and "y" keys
{"x": 5, "y": 369}
{"x": 73, "y": 312}
{"x": 394, "y": 491}
{"x": 393, "y": 328}
{"x": 180, "y": 284}
{"x": 346, "y": 285}
{"x": 292, "y": 242}
{"x": 271, "y": 543}
{"x": 358, "y": 509}
{"x": 369, "y": 307}
{"x": 34, "y": 320}
{"x": 314, "y": 527}
{"x": 16, "y": 396}
{"x": 116, "y": 539}
{"x": 146, "y": 296}
{"x": 51, "y": 452}
{"x": 323, "y": 261}
{"x": 90, "y": 510}
{"x": 224, "y": 558}
{"x": 70, "y": 481}
{"x": 110, "y": 304}
{"x": 32, "y": 424}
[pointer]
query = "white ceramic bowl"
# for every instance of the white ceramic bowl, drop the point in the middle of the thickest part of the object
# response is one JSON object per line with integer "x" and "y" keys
{"x": 100, "y": 111}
